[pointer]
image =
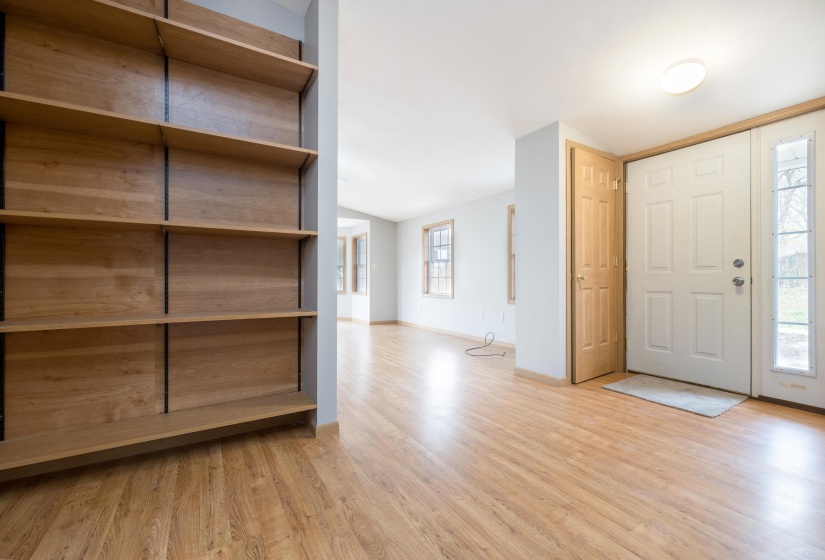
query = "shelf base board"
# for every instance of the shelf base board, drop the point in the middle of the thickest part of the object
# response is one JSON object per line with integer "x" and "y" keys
{"x": 43, "y": 454}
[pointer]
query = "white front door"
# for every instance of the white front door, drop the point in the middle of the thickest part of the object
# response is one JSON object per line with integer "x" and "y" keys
{"x": 792, "y": 202}
{"x": 688, "y": 228}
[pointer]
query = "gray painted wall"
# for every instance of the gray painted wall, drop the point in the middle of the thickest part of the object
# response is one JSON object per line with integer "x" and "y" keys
{"x": 263, "y": 13}
{"x": 383, "y": 281}
{"x": 480, "y": 266}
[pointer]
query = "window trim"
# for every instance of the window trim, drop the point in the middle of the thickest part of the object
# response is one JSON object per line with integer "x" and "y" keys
{"x": 354, "y": 286}
{"x": 344, "y": 268}
{"x": 425, "y": 268}
{"x": 511, "y": 256}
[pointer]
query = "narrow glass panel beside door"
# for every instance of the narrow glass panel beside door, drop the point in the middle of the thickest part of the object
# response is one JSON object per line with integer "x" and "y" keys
{"x": 793, "y": 256}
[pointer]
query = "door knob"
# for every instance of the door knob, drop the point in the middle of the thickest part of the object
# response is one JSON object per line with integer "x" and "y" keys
{"x": 581, "y": 277}
{"x": 738, "y": 281}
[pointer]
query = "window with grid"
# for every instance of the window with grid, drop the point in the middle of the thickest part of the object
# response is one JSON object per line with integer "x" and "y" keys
{"x": 438, "y": 259}
{"x": 360, "y": 273}
{"x": 342, "y": 265}
{"x": 793, "y": 282}
{"x": 511, "y": 257}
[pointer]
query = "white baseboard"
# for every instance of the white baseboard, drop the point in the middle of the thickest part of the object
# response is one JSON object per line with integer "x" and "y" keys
{"x": 536, "y": 376}
{"x": 456, "y": 334}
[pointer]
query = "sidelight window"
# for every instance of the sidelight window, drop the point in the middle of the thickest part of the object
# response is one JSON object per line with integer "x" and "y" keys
{"x": 794, "y": 255}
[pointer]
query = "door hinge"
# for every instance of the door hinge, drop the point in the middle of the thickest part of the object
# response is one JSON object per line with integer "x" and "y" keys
{"x": 615, "y": 184}
{"x": 625, "y": 344}
{"x": 617, "y": 338}
{"x": 615, "y": 262}
{"x": 625, "y": 188}
{"x": 626, "y": 266}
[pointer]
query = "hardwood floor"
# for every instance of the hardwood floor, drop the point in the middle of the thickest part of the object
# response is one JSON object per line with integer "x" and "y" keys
{"x": 445, "y": 456}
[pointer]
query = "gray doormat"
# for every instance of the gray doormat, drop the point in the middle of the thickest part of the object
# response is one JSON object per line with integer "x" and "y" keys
{"x": 692, "y": 398}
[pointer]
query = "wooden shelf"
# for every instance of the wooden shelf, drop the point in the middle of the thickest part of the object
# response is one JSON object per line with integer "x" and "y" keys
{"x": 202, "y": 48}
{"x": 97, "y": 18}
{"x": 43, "y": 113}
{"x": 126, "y": 26}
{"x": 66, "y": 323}
{"x": 235, "y": 231}
{"x": 105, "y": 222}
{"x": 70, "y": 220}
{"x": 33, "y": 111}
{"x": 24, "y": 452}
{"x": 208, "y": 142}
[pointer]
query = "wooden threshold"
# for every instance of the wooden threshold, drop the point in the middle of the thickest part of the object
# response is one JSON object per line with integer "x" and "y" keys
{"x": 134, "y": 28}
{"x": 202, "y": 48}
{"x": 20, "y": 454}
{"x": 67, "y": 323}
{"x": 235, "y": 230}
{"x": 44, "y": 113}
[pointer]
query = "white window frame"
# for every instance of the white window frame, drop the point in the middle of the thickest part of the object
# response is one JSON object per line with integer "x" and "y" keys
{"x": 811, "y": 371}
{"x": 511, "y": 254}
{"x": 426, "y": 230}
{"x": 355, "y": 276}
{"x": 343, "y": 242}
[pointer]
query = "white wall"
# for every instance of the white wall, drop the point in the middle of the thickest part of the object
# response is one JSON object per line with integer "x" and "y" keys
{"x": 345, "y": 299}
{"x": 382, "y": 278}
{"x": 541, "y": 247}
{"x": 320, "y": 378}
{"x": 480, "y": 268}
{"x": 361, "y": 303}
{"x": 263, "y": 13}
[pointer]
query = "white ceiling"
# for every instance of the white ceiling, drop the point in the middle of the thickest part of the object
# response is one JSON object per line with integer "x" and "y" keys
{"x": 297, "y": 6}
{"x": 433, "y": 93}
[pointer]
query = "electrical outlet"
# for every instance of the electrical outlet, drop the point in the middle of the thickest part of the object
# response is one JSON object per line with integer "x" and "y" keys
{"x": 481, "y": 314}
{"x": 501, "y": 317}
{"x": 375, "y": 267}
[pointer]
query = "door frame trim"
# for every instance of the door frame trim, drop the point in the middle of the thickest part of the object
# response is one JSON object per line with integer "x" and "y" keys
{"x": 748, "y": 124}
{"x": 619, "y": 236}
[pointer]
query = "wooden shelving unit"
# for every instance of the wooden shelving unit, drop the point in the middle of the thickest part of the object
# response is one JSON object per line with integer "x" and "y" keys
{"x": 151, "y": 223}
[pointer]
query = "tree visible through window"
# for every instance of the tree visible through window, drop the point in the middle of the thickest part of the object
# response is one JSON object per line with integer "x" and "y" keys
{"x": 438, "y": 259}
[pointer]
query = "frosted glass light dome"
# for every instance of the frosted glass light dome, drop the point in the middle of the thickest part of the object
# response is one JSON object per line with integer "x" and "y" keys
{"x": 683, "y": 77}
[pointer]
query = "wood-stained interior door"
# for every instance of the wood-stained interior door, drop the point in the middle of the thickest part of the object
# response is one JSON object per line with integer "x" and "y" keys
{"x": 595, "y": 287}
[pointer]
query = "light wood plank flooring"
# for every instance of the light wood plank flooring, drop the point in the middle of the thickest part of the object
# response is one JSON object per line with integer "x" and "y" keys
{"x": 446, "y": 456}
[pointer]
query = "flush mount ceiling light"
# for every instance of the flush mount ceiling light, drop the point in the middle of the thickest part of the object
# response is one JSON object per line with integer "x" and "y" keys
{"x": 683, "y": 77}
